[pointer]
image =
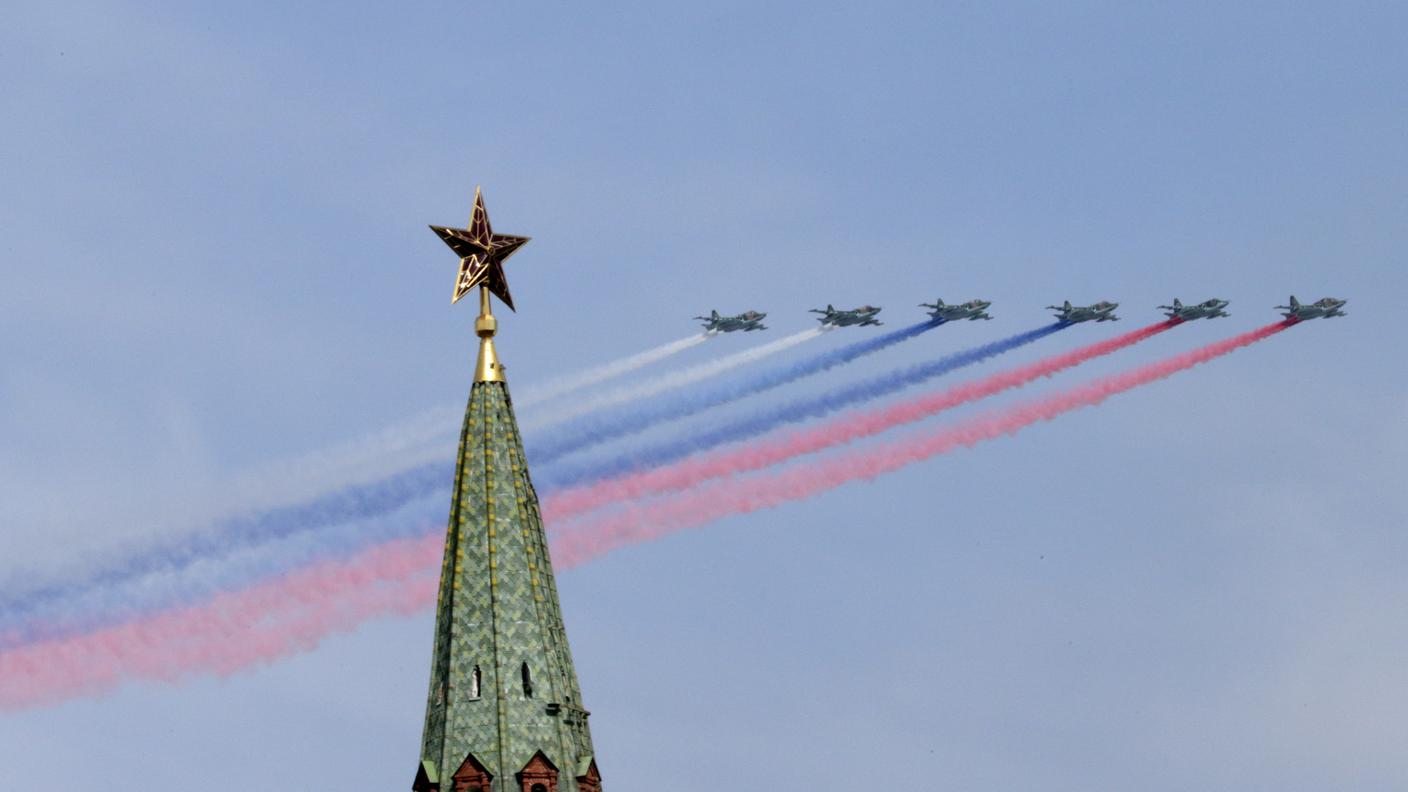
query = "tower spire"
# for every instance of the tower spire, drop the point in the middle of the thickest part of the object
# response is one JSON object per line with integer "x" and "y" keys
{"x": 504, "y": 711}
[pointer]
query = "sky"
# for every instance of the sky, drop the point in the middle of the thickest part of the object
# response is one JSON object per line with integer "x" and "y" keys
{"x": 216, "y": 262}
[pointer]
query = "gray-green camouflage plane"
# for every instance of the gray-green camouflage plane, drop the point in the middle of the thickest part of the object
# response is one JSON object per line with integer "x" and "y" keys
{"x": 860, "y": 317}
{"x": 1099, "y": 312}
{"x": 1324, "y": 307}
{"x": 972, "y": 310}
{"x": 1210, "y": 309}
{"x": 746, "y": 321}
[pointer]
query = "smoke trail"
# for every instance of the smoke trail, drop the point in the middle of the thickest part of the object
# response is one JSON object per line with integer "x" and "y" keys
{"x": 245, "y": 550}
{"x": 592, "y": 376}
{"x": 414, "y": 449}
{"x": 564, "y": 475}
{"x": 669, "y": 382}
{"x": 363, "y": 461}
{"x": 359, "y": 518}
{"x": 255, "y": 549}
{"x": 303, "y": 491}
{"x": 570, "y": 503}
{"x": 608, "y": 426}
{"x": 179, "y": 555}
{"x": 211, "y": 570}
{"x": 175, "y": 556}
{"x": 202, "y": 580}
{"x": 235, "y": 631}
{"x": 284, "y": 617}
{"x": 594, "y": 538}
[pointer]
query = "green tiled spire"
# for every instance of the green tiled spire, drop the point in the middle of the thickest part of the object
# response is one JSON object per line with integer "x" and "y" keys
{"x": 502, "y": 685}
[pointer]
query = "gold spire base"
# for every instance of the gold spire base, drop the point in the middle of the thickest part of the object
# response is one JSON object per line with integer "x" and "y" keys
{"x": 488, "y": 369}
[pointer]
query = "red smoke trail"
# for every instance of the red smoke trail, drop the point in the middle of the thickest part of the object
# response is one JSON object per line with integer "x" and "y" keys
{"x": 846, "y": 428}
{"x": 236, "y": 630}
{"x": 262, "y": 624}
{"x": 594, "y": 538}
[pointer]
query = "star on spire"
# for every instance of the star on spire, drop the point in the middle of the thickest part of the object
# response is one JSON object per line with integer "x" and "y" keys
{"x": 482, "y": 253}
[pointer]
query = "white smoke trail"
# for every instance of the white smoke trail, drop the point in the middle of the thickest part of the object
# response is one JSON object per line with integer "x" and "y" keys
{"x": 195, "y": 581}
{"x": 408, "y": 445}
{"x": 565, "y": 385}
{"x": 405, "y": 445}
{"x": 678, "y": 379}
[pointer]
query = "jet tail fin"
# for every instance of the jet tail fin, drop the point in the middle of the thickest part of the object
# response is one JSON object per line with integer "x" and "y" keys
{"x": 1294, "y": 302}
{"x": 1177, "y": 303}
{"x": 1067, "y": 305}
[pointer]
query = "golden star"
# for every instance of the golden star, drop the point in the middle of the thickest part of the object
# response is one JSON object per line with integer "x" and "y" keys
{"x": 482, "y": 253}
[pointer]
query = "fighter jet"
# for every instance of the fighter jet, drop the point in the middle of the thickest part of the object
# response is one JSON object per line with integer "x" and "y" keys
{"x": 971, "y": 310}
{"x": 862, "y": 316}
{"x": 746, "y": 321}
{"x": 1099, "y": 312}
{"x": 1206, "y": 310}
{"x": 1325, "y": 307}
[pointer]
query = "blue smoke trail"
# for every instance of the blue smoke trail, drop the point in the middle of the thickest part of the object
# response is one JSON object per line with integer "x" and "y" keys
{"x": 349, "y": 504}
{"x": 92, "y": 607}
{"x": 346, "y": 512}
{"x": 169, "y": 555}
{"x": 561, "y": 477}
{"x": 410, "y": 504}
{"x": 602, "y": 427}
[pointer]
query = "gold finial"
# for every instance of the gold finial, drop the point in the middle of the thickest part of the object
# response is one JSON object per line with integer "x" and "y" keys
{"x": 482, "y": 256}
{"x": 488, "y": 369}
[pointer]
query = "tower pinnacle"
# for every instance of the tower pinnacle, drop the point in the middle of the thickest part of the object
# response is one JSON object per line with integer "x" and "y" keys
{"x": 504, "y": 712}
{"x": 482, "y": 255}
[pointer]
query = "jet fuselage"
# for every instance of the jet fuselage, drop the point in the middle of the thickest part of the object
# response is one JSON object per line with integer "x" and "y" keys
{"x": 856, "y": 317}
{"x": 972, "y": 310}
{"x": 1210, "y": 309}
{"x": 746, "y": 321}
{"x": 1102, "y": 311}
{"x": 1323, "y": 308}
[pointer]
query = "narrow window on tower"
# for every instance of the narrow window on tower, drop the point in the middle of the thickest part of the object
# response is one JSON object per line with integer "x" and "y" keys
{"x": 474, "y": 680}
{"x": 527, "y": 682}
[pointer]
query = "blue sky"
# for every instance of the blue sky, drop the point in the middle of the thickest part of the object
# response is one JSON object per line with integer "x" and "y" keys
{"x": 216, "y": 258}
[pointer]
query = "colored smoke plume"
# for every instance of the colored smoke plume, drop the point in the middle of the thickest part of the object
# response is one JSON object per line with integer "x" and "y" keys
{"x": 328, "y": 490}
{"x": 293, "y": 614}
{"x": 599, "y": 428}
{"x": 591, "y": 376}
{"x": 562, "y": 475}
{"x": 246, "y": 550}
{"x": 593, "y": 538}
{"x": 233, "y": 631}
{"x": 691, "y": 472}
{"x": 230, "y": 544}
{"x": 671, "y": 381}
{"x": 174, "y": 570}
{"x": 201, "y": 581}
{"x": 388, "y": 512}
